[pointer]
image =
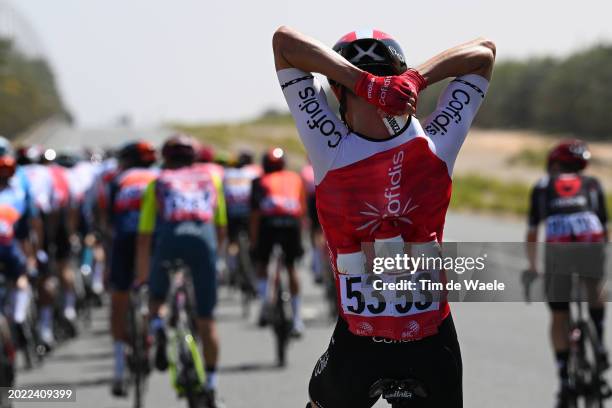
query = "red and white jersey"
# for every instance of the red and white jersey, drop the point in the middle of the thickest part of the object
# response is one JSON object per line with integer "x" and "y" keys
{"x": 80, "y": 179}
{"x": 307, "y": 174}
{"x": 213, "y": 168}
{"x": 62, "y": 196}
{"x": 366, "y": 188}
{"x": 41, "y": 185}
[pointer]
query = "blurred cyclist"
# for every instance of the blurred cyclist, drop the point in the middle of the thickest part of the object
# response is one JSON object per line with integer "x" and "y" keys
{"x": 378, "y": 176}
{"x": 277, "y": 207}
{"x": 182, "y": 207}
{"x": 16, "y": 214}
{"x": 41, "y": 184}
{"x": 125, "y": 196}
{"x": 237, "y": 183}
{"x": 573, "y": 207}
{"x": 316, "y": 235}
{"x": 60, "y": 226}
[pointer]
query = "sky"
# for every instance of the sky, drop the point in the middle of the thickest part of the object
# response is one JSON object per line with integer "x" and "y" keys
{"x": 211, "y": 61}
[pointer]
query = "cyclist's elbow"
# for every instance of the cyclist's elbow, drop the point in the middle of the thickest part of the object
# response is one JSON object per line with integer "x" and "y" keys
{"x": 488, "y": 51}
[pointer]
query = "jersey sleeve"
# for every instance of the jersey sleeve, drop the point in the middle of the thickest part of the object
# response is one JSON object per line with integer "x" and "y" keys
{"x": 320, "y": 130}
{"x": 449, "y": 123}
{"x": 537, "y": 204}
{"x": 257, "y": 194}
{"x": 148, "y": 210}
{"x": 599, "y": 203}
{"x": 221, "y": 209}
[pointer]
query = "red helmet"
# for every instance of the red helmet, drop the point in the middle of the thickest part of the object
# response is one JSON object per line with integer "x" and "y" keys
{"x": 205, "y": 154}
{"x": 273, "y": 160}
{"x": 7, "y": 166}
{"x": 571, "y": 152}
{"x": 373, "y": 51}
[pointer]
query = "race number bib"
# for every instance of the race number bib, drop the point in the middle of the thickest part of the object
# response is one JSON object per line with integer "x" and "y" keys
{"x": 394, "y": 295}
{"x": 578, "y": 224}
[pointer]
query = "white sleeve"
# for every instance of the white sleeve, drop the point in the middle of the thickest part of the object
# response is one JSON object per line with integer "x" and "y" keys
{"x": 320, "y": 130}
{"x": 448, "y": 125}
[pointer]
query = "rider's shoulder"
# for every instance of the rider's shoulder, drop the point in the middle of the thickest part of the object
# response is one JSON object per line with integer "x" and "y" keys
{"x": 542, "y": 182}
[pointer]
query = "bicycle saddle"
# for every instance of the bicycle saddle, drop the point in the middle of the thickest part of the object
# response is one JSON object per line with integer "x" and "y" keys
{"x": 398, "y": 391}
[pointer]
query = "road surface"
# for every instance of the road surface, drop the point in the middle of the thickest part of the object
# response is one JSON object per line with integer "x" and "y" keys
{"x": 506, "y": 355}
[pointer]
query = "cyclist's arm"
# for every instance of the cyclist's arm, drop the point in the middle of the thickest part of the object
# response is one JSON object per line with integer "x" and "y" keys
{"x": 220, "y": 213}
{"x": 293, "y": 49}
{"x": 475, "y": 57}
{"x": 602, "y": 210}
{"x": 534, "y": 218}
{"x": 255, "y": 216}
{"x": 146, "y": 227}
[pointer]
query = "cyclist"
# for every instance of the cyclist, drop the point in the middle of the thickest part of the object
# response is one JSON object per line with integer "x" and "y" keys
{"x": 380, "y": 172}
{"x": 125, "y": 195}
{"x": 318, "y": 257}
{"x": 16, "y": 214}
{"x": 278, "y": 203}
{"x": 237, "y": 182}
{"x": 41, "y": 184}
{"x": 60, "y": 228}
{"x": 573, "y": 207}
{"x": 182, "y": 207}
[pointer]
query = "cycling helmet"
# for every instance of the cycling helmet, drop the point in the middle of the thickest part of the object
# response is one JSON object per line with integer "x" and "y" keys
{"x": 273, "y": 160}
{"x": 67, "y": 160}
{"x": 206, "y": 153}
{"x": 5, "y": 146}
{"x": 139, "y": 153}
{"x": 7, "y": 166}
{"x": 371, "y": 50}
{"x": 48, "y": 156}
{"x": 28, "y": 154}
{"x": 572, "y": 153}
{"x": 179, "y": 148}
{"x": 244, "y": 158}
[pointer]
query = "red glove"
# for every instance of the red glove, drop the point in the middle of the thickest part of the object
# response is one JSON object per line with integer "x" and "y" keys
{"x": 389, "y": 93}
{"x": 415, "y": 81}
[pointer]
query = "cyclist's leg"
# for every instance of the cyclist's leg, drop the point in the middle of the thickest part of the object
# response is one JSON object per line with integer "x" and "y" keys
{"x": 558, "y": 289}
{"x": 593, "y": 260}
{"x": 62, "y": 254}
{"x": 291, "y": 242}
{"x": 201, "y": 260}
{"x": 263, "y": 250}
{"x": 15, "y": 270}
{"x": 46, "y": 283}
{"x": 121, "y": 280}
{"x": 159, "y": 284}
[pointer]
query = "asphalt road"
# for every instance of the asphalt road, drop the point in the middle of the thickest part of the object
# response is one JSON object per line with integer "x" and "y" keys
{"x": 506, "y": 355}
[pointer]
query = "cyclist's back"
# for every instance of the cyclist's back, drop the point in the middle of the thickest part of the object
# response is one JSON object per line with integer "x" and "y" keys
{"x": 184, "y": 208}
{"x": 378, "y": 182}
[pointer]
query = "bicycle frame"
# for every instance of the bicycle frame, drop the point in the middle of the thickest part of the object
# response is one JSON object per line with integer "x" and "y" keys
{"x": 185, "y": 363}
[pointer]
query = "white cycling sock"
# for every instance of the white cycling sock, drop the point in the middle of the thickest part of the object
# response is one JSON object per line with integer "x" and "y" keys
{"x": 119, "y": 351}
{"x": 46, "y": 323}
{"x": 211, "y": 380}
{"x": 156, "y": 324}
{"x": 316, "y": 261}
{"x": 97, "y": 281}
{"x": 69, "y": 305}
{"x": 262, "y": 288}
{"x": 295, "y": 307}
{"x": 21, "y": 302}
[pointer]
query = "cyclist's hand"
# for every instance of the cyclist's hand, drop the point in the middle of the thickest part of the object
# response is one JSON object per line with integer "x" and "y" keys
{"x": 394, "y": 95}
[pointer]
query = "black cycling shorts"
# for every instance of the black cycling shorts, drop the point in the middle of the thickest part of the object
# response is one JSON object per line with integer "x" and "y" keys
{"x": 282, "y": 231}
{"x": 344, "y": 374}
{"x": 236, "y": 225}
{"x": 569, "y": 263}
